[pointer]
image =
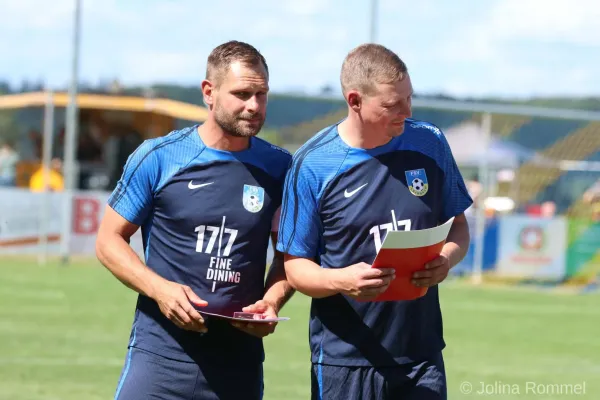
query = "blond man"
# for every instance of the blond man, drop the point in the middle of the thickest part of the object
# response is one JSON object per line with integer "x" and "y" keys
{"x": 376, "y": 171}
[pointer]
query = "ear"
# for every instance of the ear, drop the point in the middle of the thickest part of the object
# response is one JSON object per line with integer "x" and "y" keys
{"x": 208, "y": 92}
{"x": 354, "y": 100}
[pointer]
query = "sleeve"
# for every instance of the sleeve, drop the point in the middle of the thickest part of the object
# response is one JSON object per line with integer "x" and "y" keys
{"x": 299, "y": 225}
{"x": 455, "y": 194}
{"x": 132, "y": 197}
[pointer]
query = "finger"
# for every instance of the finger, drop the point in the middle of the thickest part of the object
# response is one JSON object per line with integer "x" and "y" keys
{"x": 435, "y": 263}
{"x": 182, "y": 315}
{"x": 379, "y": 272}
{"x": 370, "y": 284}
{"x": 377, "y": 283}
{"x": 191, "y": 312}
{"x": 270, "y": 327}
{"x": 197, "y": 301}
{"x": 176, "y": 320}
{"x": 260, "y": 330}
{"x": 422, "y": 274}
{"x": 195, "y": 316}
{"x": 424, "y": 282}
{"x": 270, "y": 313}
{"x": 373, "y": 292}
{"x": 244, "y": 326}
{"x": 258, "y": 307}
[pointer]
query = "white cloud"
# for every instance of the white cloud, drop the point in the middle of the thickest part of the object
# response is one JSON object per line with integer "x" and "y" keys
{"x": 521, "y": 47}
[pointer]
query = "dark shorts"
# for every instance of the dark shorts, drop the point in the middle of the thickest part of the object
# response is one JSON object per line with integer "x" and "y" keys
{"x": 147, "y": 375}
{"x": 418, "y": 381}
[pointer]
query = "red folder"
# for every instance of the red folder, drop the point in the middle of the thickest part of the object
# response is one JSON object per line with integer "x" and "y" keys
{"x": 408, "y": 252}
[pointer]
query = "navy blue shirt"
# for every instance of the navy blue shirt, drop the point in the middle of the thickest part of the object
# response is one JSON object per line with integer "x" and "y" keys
{"x": 206, "y": 216}
{"x": 339, "y": 202}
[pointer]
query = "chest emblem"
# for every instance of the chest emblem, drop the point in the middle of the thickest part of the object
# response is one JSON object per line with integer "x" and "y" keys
{"x": 253, "y": 198}
{"x": 416, "y": 180}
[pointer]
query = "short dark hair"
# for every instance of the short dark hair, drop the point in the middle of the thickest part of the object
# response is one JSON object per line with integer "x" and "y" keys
{"x": 369, "y": 64}
{"x": 226, "y": 54}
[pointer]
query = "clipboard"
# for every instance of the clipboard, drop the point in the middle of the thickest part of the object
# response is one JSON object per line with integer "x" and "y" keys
{"x": 408, "y": 252}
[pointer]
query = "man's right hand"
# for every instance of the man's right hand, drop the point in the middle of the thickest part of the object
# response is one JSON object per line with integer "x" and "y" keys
{"x": 175, "y": 302}
{"x": 363, "y": 282}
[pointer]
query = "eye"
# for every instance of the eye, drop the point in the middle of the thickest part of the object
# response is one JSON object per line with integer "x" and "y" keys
{"x": 242, "y": 94}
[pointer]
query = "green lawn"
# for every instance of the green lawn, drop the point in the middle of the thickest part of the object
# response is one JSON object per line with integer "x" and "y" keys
{"x": 63, "y": 335}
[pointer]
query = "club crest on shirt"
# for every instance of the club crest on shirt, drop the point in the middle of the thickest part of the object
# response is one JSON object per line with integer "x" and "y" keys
{"x": 416, "y": 180}
{"x": 253, "y": 198}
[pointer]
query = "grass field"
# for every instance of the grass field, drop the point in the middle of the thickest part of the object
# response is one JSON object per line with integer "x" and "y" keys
{"x": 63, "y": 335}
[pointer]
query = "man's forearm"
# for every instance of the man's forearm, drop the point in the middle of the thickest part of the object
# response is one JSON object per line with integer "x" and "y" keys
{"x": 457, "y": 244}
{"x": 119, "y": 258}
{"x": 309, "y": 278}
{"x": 278, "y": 289}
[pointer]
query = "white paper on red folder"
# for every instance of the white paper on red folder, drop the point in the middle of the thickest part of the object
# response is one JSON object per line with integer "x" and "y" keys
{"x": 418, "y": 238}
{"x": 407, "y": 252}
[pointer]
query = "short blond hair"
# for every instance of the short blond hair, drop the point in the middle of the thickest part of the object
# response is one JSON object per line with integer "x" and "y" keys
{"x": 370, "y": 64}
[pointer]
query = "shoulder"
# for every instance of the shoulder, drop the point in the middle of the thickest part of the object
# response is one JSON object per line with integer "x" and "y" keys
{"x": 177, "y": 142}
{"x": 319, "y": 143}
{"x": 277, "y": 155}
{"x": 273, "y": 159}
{"x": 319, "y": 160}
{"x": 428, "y": 129}
{"x": 426, "y": 138}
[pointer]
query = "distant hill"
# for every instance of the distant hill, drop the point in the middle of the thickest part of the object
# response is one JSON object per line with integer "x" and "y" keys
{"x": 294, "y": 116}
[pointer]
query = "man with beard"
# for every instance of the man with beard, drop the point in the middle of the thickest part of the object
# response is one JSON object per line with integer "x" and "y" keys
{"x": 207, "y": 200}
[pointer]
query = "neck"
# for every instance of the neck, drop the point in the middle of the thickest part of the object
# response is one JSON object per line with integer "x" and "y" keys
{"x": 216, "y": 138}
{"x": 355, "y": 133}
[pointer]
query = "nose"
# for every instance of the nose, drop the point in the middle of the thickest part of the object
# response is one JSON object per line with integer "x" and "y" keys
{"x": 252, "y": 105}
{"x": 406, "y": 110}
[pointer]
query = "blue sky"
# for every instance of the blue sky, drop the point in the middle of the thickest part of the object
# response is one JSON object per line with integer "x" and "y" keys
{"x": 513, "y": 48}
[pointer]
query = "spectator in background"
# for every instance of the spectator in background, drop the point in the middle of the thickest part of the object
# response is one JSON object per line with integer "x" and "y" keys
{"x": 55, "y": 182}
{"x": 8, "y": 164}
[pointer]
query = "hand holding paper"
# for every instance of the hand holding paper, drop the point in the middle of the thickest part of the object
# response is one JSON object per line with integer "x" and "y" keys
{"x": 258, "y": 329}
{"x": 435, "y": 272}
{"x": 363, "y": 282}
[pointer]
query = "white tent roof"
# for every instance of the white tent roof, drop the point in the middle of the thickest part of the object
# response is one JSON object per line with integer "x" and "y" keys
{"x": 468, "y": 147}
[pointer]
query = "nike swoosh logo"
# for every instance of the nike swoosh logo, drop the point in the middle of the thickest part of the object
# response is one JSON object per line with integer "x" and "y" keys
{"x": 348, "y": 194}
{"x": 192, "y": 186}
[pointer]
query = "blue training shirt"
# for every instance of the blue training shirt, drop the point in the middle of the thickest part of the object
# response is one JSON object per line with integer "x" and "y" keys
{"x": 206, "y": 217}
{"x": 339, "y": 202}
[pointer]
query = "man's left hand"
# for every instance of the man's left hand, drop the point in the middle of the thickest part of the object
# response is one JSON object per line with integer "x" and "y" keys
{"x": 435, "y": 272}
{"x": 258, "y": 329}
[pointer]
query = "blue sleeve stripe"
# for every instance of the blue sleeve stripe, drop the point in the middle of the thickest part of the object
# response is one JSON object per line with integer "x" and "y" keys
{"x": 320, "y": 142}
{"x": 120, "y": 189}
{"x": 292, "y": 183}
{"x": 123, "y": 188}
